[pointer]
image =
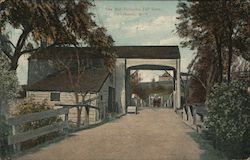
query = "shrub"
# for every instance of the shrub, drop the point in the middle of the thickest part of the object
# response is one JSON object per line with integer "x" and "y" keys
{"x": 30, "y": 106}
{"x": 5, "y": 149}
{"x": 8, "y": 91}
{"x": 228, "y": 108}
{"x": 8, "y": 84}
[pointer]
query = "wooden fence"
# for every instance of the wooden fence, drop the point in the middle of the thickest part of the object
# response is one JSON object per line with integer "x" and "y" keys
{"x": 198, "y": 113}
{"x": 17, "y": 137}
{"x": 86, "y": 106}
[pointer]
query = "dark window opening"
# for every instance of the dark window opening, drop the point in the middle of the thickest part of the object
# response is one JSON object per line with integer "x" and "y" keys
{"x": 111, "y": 77}
{"x": 111, "y": 100}
{"x": 54, "y": 96}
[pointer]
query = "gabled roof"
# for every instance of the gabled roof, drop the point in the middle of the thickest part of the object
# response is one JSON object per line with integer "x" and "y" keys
{"x": 143, "y": 52}
{"x": 91, "y": 81}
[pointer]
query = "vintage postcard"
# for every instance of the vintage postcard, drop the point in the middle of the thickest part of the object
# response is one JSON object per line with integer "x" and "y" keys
{"x": 124, "y": 80}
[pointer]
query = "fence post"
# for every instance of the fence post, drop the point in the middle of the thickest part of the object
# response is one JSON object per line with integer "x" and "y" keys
{"x": 66, "y": 120}
{"x": 194, "y": 115}
{"x": 104, "y": 111}
{"x": 17, "y": 146}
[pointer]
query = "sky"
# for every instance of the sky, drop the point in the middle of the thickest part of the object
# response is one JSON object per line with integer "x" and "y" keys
{"x": 133, "y": 23}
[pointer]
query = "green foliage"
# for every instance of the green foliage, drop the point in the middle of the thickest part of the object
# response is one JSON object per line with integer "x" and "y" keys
{"x": 220, "y": 25}
{"x": 8, "y": 83}
{"x": 5, "y": 149}
{"x": 51, "y": 23}
{"x": 8, "y": 90}
{"x": 205, "y": 22}
{"x": 31, "y": 107}
{"x": 228, "y": 107}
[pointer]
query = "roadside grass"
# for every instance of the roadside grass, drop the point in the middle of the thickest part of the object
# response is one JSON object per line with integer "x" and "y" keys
{"x": 209, "y": 152}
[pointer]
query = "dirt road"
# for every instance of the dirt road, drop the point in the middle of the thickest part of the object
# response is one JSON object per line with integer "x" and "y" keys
{"x": 153, "y": 134}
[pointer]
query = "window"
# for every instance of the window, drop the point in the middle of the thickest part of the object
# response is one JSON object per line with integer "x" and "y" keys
{"x": 54, "y": 96}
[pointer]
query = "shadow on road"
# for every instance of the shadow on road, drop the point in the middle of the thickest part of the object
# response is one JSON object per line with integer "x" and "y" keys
{"x": 209, "y": 153}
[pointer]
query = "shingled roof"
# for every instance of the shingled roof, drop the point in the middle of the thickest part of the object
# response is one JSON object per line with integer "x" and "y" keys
{"x": 90, "y": 81}
{"x": 144, "y": 52}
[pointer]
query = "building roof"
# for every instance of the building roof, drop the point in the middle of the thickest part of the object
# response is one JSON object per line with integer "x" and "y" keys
{"x": 143, "y": 52}
{"x": 91, "y": 81}
{"x": 148, "y": 52}
{"x": 65, "y": 52}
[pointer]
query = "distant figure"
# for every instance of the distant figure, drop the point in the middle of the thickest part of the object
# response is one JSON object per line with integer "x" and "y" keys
{"x": 156, "y": 102}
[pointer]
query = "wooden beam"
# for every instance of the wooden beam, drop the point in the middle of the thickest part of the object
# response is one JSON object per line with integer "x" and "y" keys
{"x": 36, "y": 116}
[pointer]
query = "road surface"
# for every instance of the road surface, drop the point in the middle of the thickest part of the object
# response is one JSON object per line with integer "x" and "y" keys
{"x": 153, "y": 134}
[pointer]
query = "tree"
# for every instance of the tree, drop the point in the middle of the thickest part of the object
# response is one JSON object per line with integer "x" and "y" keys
{"x": 197, "y": 36}
{"x": 75, "y": 66}
{"x": 222, "y": 25}
{"x": 44, "y": 24}
{"x": 200, "y": 77}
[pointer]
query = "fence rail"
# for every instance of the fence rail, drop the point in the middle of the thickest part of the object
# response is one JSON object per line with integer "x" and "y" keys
{"x": 17, "y": 137}
{"x": 77, "y": 105}
{"x": 36, "y": 116}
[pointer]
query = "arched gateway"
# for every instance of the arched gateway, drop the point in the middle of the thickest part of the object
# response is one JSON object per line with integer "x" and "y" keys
{"x": 147, "y": 67}
{"x": 145, "y": 58}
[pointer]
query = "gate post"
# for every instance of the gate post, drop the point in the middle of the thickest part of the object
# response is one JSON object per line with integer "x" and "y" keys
{"x": 178, "y": 84}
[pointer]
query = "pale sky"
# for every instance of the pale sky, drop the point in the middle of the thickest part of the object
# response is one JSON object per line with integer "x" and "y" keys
{"x": 133, "y": 23}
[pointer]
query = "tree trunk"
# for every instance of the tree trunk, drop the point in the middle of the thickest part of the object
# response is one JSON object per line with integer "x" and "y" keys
{"x": 220, "y": 66}
{"x": 14, "y": 59}
{"x": 212, "y": 74}
{"x": 14, "y": 63}
{"x": 230, "y": 55}
{"x": 19, "y": 47}
{"x": 86, "y": 115}
{"x": 229, "y": 24}
{"x": 79, "y": 117}
{"x": 79, "y": 110}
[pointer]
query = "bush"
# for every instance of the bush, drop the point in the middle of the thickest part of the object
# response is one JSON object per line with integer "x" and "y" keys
{"x": 8, "y": 84}
{"x": 8, "y": 91}
{"x": 228, "y": 108}
{"x": 5, "y": 149}
{"x": 30, "y": 106}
